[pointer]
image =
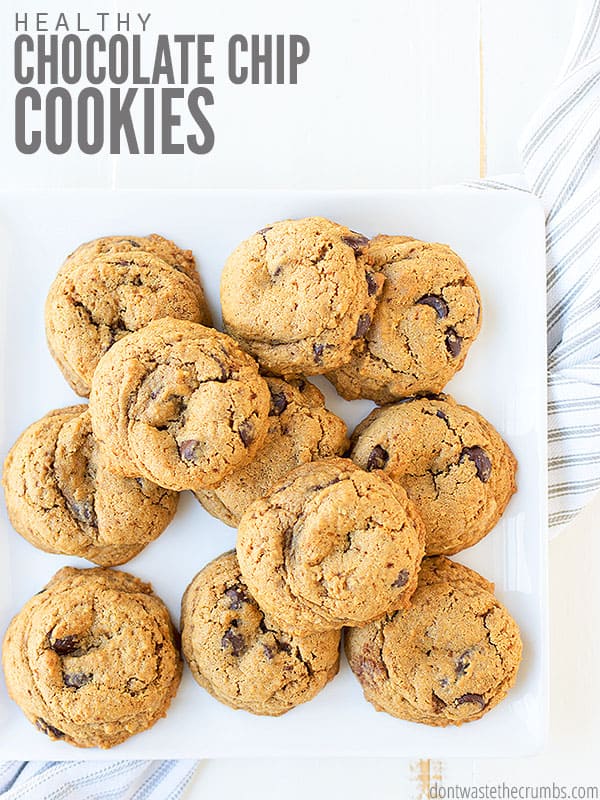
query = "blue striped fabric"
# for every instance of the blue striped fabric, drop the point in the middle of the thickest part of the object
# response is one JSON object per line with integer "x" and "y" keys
{"x": 561, "y": 158}
{"x": 561, "y": 165}
{"x": 99, "y": 780}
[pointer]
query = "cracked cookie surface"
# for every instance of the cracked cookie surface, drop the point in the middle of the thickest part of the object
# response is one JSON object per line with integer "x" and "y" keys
{"x": 242, "y": 658}
{"x": 179, "y": 404}
{"x": 426, "y": 319}
{"x": 454, "y": 465}
{"x": 63, "y": 497}
{"x": 447, "y": 659}
{"x": 174, "y": 256}
{"x": 93, "y": 658}
{"x": 300, "y": 430}
{"x": 297, "y": 296}
{"x": 331, "y": 545}
{"x": 109, "y": 288}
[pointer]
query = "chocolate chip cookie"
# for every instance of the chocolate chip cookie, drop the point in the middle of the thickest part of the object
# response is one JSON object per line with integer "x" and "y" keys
{"x": 104, "y": 292}
{"x": 93, "y": 658}
{"x": 453, "y": 464}
{"x": 332, "y": 545}
{"x": 301, "y": 429}
{"x": 179, "y": 404}
{"x": 174, "y": 256}
{"x": 297, "y": 295}
{"x": 427, "y": 317}
{"x": 449, "y": 658}
{"x": 63, "y": 497}
{"x": 241, "y": 657}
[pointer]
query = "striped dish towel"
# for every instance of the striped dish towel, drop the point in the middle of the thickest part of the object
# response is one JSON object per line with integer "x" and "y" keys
{"x": 561, "y": 165}
{"x": 561, "y": 159}
{"x": 99, "y": 780}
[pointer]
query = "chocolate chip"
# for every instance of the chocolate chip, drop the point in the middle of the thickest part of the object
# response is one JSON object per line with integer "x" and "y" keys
{"x": 372, "y": 285}
{"x": 401, "y": 580}
{"x": 187, "y": 449}
{"x": 283, "y": 647}
{"x": 437, "y": 703}
{"x": 378, "y": 458}
{"x": 237, "y": 596}
{"x": 470, "y": 698}
{"x": 83, "y": 511}
{"x": 233, "y": 640}
{"x": 318, "y": 352}
{"x": 131, "y": 242}
{"x": 76, "y": 680}
{"x": 246, "y": 432}
{"x": 65, "y": 646}
{"x": 122, "y": 263}
{"x": 48, "y": 729}
{"x": 364, "y": 323}
{"x": 268, "y": 652}
{"x": 480, "y": 458}
{"x": 439, "y": 305}
{"x": 453, "y": 342}
{"x": 462, "y": 664}
{"x": 262, "y": 231}
{"x": 441, "y": 415}
{"x": 279, "y": 403}
{"x": 356, "y": 242}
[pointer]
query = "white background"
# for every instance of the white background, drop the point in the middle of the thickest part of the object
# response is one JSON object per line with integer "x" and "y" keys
{"x": 397, "y": 93}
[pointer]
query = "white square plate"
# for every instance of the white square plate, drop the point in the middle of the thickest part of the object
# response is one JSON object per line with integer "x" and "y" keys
{"x": 500, "y": 236}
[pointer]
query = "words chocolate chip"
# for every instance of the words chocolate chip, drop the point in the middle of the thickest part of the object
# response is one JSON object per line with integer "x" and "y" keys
{"x": 482, "y": 461}
{"x": 436, "y": 302}
{"x": 378, "y": 458}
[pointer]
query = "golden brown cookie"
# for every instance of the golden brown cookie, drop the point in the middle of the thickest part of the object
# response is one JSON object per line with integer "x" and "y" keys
{"x": 454, "y": 465}
{"x": 427, "y": 317}
{"x": 297, "y": 296}
{"x": 448, "y": 658}
{"x": 332, "y": 545}
{"x": 241, "y": 657}
{"x": 179, "y": 404}
{"x": 174, "y": 256}
{"x": 93, "y": 658}
{"x": 301, "y": 429}
{"x": 63, "y": 497}
{"x": 104, "y": 292}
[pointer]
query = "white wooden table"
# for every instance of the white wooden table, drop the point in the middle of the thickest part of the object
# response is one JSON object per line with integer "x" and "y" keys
{"x": 403, "y": 93}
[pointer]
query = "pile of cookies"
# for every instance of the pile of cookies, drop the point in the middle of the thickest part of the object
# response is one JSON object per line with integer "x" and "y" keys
{"x": 334, "y": 534}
